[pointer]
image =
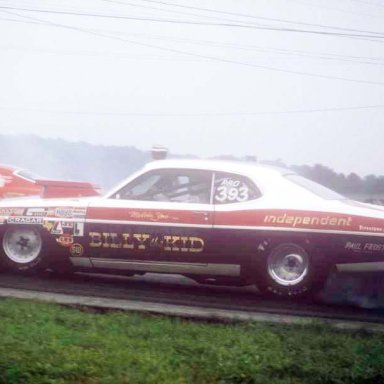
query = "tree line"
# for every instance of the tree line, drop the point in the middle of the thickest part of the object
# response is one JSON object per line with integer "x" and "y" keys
{"x": 107, "y": 165}
{"x": 340, "y": 182}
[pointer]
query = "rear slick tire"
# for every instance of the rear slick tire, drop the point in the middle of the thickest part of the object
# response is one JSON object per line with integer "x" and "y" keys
{"x": 290, "y": 271}
{"x": 22, "y": 249}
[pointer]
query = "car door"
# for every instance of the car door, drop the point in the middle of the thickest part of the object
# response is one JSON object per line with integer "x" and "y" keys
{"x": 159, "y": 222}
{"x": 234, "y": 197}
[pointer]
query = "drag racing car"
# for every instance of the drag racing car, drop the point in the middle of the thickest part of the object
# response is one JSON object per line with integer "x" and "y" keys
{"x": 17, "y": 182}
{"x": 216, "y": 222}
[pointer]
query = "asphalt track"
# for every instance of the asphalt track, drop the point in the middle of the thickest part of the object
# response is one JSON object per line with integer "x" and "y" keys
{"x": 347, "y": 298}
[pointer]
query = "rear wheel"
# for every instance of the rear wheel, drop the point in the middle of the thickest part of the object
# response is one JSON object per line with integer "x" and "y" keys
{"x": 289, "y": 270}
{"x": 23, "y": 249}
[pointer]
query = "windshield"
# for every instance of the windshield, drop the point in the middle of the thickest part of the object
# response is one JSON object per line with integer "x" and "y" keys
{"x": 30, "y": 176}
{"x": 314, "y": 187}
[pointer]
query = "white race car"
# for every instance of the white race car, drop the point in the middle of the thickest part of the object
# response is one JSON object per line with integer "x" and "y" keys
{"x": 214, "y": 221}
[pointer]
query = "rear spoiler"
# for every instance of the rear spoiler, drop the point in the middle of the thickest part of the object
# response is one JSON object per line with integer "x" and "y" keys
{"x": 59, "y": 188}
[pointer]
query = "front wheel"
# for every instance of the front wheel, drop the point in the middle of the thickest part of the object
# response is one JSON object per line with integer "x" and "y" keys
{"x": 23, "y": 249}
{"x": 289, "y": 270}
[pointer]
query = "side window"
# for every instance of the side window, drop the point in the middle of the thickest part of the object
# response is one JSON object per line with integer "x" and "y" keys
{"x": 231, "y": 188}
{"x": 173, "y": 185}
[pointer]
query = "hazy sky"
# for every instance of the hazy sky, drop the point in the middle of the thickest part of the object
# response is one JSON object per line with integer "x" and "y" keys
{"x": 297, "y": 80}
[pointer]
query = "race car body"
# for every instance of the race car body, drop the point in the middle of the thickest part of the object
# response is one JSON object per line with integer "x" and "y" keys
{"x": 216, "y": 222}
{"x": 16, "y": 182}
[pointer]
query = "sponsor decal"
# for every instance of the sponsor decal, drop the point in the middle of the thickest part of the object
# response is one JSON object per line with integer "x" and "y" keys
{"x": 79, "y": 212}
{"x": 231, "y": 190}
{"x": 67, "y": 224}
{"x": 70, "y": 212}
{"x": 76, "y": 250}
{"x": 300, "y": 221}
{"x": 364, "y": 247}
{"x": 11, "y": 211}
{"x": 78, "y": 229}
{"x": 144, "y": 241}
{"x": 25, "y": 220}
{"x": 151, "y": 216}
{"x": 65, "y": 240}
{"x": 64, "y": 212}
{"x": 353, "y": 246}
{"x": 48, "y": 225}
{"x": 64, "y": 228}
{"x": 36, "y": 212}
{"x": 50, "y": 212}
{"x": 365, "y": 228}
{"x": 57, "y": 228}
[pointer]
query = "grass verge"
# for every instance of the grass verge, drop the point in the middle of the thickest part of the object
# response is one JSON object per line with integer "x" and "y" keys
{"x": 44, "y": 343}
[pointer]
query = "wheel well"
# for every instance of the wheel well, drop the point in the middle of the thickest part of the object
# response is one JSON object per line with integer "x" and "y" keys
{"x": 264, "y": 246}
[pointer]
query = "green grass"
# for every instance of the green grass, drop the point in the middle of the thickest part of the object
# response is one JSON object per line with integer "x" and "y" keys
{"x": 43, "y": 343}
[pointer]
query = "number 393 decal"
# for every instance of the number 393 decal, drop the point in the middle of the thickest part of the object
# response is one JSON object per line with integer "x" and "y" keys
{"x": 231, "y": 190}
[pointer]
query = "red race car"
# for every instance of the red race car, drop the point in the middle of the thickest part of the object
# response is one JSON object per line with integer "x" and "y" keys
{"x": 15, "y": 182}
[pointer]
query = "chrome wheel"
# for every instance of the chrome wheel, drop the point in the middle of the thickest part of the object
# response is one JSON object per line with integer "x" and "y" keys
{"x": 288, "y": 265}
{"x": 22, "y": 245}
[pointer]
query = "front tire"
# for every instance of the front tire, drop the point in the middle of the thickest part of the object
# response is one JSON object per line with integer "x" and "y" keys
{"x": 22, "y": 249}
{"x": 289, "y": 271}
